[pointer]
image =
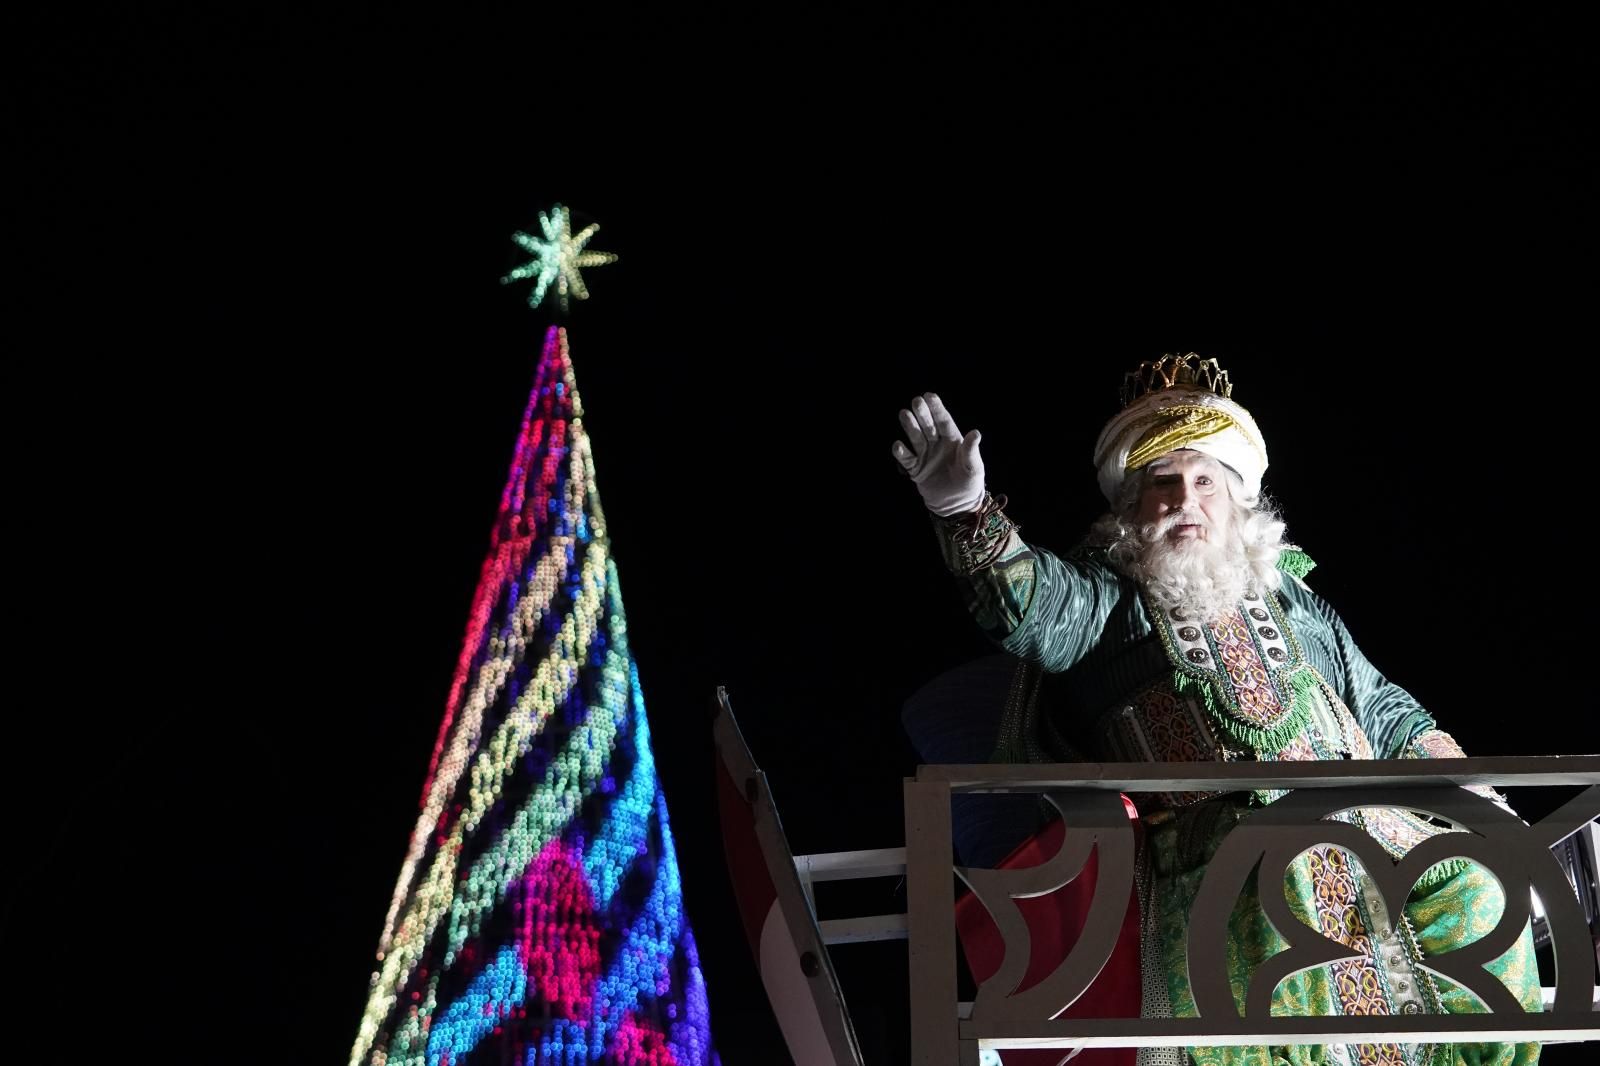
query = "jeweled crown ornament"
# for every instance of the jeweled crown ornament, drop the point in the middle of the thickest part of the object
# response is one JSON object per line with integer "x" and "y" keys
{"x": 1175, "y": 371}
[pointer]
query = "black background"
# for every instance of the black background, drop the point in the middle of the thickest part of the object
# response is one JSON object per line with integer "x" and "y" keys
{"x": 265, "y": 385}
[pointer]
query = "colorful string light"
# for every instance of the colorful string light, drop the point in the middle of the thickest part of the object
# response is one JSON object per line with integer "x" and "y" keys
{"x": 538, "y": 916}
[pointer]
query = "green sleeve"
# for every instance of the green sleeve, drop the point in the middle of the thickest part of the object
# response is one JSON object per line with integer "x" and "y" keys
{"x": 1036, "y": 605}
{"x": 1389, "y": 715}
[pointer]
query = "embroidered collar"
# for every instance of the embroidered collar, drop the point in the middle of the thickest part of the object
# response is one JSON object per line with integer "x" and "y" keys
{"x": 1247, "y": 667}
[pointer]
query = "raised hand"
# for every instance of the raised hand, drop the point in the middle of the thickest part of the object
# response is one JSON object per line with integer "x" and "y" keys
{"x": 946, "y": 466}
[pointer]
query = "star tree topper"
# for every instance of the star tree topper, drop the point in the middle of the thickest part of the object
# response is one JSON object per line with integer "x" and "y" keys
{"x": 557, "y": 257}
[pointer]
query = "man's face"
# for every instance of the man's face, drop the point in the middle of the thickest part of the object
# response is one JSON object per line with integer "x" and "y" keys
{"x": 1189, "y": 490}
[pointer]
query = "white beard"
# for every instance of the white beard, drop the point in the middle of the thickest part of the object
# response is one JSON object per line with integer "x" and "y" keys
{"x": 1203, "y": 578}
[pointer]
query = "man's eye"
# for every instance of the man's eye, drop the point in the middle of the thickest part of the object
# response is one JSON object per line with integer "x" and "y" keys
{"x": 1202, "y": 481}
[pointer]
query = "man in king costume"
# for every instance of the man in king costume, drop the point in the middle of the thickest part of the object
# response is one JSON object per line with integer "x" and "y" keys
{"x": 1183, "y": 629}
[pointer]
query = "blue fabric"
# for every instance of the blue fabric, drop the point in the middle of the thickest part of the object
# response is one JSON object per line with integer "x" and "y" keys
{"x": 955, "y": 718}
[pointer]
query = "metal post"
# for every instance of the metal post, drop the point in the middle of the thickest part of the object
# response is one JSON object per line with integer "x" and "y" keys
{"x": 930, "y": 901}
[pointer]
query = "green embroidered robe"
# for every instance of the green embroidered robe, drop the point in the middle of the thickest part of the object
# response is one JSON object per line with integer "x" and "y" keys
{"x": 1118, "y": 696}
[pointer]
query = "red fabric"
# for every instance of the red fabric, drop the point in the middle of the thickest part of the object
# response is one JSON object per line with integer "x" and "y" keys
{"x": 1057, "y": 919}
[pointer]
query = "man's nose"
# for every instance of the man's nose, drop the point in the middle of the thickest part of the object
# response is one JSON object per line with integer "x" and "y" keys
{"x": 1179, "y": 499}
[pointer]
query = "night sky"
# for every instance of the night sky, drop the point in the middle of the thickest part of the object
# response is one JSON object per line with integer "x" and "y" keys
{"x": 275, "y": 382}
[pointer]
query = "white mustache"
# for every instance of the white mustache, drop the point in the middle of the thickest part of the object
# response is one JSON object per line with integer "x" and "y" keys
{"x": 1167, "y": 523}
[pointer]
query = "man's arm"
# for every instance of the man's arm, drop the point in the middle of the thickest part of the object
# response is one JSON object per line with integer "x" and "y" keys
{"x": 1031, "y": 603}
{"x": 1393, "y": 720}
{"x": 1389, "y": 715}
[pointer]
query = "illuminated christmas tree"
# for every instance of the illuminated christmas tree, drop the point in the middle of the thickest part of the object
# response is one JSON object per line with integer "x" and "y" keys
{"x": 538, "y": 917}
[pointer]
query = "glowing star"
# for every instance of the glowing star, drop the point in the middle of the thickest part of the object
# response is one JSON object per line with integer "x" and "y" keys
{"x": 558, "y": 258}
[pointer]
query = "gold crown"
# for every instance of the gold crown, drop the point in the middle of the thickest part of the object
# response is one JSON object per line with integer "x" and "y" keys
{"x": 1174, "y": 371}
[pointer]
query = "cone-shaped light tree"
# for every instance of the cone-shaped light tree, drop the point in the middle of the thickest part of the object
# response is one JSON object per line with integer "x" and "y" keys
{"x": 538, "y": 918}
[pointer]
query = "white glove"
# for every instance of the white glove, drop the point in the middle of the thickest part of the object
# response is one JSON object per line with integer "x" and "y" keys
{"x": 945, "y": 465}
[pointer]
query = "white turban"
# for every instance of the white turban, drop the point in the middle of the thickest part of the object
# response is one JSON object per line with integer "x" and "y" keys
{"x": 1180, "y": 417}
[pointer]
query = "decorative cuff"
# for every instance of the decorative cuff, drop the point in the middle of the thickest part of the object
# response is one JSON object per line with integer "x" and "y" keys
{"x": 974, "y": 541}
{"x": 1437, "y": 744}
